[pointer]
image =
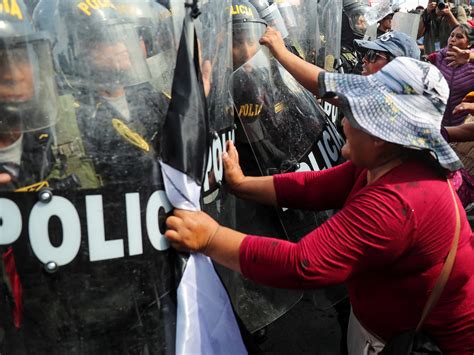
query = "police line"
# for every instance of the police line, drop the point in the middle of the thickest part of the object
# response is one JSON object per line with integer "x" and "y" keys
{"x": 103, "y": 242}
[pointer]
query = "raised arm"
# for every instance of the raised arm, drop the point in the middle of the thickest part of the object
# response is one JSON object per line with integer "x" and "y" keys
{"x": 305, "y": 73}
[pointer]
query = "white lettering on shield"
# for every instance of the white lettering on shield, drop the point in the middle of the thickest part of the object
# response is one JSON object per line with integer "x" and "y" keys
{"x": 100, "y": 247}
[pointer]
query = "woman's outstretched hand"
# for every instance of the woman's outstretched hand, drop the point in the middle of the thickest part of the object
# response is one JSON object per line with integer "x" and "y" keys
{"x": 457, "y": 57}
{"x": 190, "y": 231}
{"x": 232, "y": 170}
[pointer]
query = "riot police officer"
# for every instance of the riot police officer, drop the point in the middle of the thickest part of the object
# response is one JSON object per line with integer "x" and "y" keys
{"x": 28, "y": 108}
{"x": 251, "y": 90}
{"x": 98, "y": 57}
{"x": 28, "y": 100}
{"x": 354, "y": 27}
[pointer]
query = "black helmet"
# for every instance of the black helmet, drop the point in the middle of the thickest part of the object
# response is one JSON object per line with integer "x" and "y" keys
{"x": 246, "y": 20}
{"x": 355, "y": 12}
{"x": 28, "y": 97}
{"x": 93, "y": 46}
{"x": 271, "y": 14}
{"x": 247, "y": 29}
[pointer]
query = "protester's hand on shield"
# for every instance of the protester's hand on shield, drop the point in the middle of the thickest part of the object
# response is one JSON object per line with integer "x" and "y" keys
{"x": 457, "y": 57}
{"x": 464, "y": 107}
{"x": 273, "y": 40}
{"x": 190, "y": 231}
{"x": 232, "y": 170}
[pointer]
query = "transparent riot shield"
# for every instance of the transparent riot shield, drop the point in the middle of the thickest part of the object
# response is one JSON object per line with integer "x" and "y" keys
{"x": 155, "y": 29}
{"x": 330, "y": 22}
{"x": 308, "y": 34}
{"x": 319, "y": 34}
{"x": 406, "y": 23}
{"x": 257, "y": 306}
{"x": 284, "y": 130}
{"x": 86, "y": 267}
{"x": 281, "y": 120}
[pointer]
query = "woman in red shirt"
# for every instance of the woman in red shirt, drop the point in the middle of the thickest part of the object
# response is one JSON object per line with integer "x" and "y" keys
{"x": 396, "y": 222}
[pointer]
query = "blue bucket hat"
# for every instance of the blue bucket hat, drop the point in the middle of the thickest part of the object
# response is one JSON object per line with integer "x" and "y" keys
{"x": 397, "y": 44}
{"x": 403, "y": 103}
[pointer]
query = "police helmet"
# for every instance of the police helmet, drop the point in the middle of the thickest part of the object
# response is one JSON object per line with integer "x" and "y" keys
{"x": 355, "y": 12}
{"x": 246, "y": 22}
{"x": 28, "y": 97}
{"x": 247, "y": 29}
{"x": 93, "y": 45}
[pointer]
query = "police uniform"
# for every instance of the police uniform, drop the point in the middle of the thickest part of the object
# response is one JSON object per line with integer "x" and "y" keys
{"x": 256, "y": 127}
{"x": 36, "y": 161}
{"x": 123, "y": 150}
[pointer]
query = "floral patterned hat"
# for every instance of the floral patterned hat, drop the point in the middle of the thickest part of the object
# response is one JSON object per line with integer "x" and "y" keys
{"x": 403, "y": 103}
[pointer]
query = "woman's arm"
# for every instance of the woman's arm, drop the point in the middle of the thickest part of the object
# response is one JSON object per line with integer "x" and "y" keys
{"x": 313, "y": 190}
{"x": 450, "y": 17}
{"x": 462, "y": 133}
{"x": 305, "y": 73}
{"x": 365, "y": 234}
{"x": 370, "y": 233}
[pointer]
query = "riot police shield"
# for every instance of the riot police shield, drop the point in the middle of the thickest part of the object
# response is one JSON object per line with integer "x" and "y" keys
{"x": 256, "y": 305}
{"x": 155, "y": 29}
{"x": 28, "y": 99}
{"x": 406, "y": 23}
{"x": 330, "y": 24}
{"x": 281, "y": 120}
{"x": 281, "y": 129}
{"x": 379, "y": 11}
{"x": 87, "y": 268}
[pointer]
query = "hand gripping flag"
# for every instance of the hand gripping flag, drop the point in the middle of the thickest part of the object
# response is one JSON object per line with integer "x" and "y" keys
{"x": 206, "y": 323}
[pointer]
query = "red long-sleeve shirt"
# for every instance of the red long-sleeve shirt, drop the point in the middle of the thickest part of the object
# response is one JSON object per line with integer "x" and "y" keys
{"x": 387, "y": 243}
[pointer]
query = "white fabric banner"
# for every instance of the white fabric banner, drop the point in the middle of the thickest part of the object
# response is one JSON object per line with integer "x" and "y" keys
{"x": 205, "y": 319}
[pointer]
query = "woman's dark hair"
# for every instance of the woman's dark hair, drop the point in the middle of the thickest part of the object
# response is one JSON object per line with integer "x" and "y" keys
{"x": 467, "y": 31}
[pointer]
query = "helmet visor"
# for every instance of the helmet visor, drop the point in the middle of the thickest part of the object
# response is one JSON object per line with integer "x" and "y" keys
{"x": 245, "y": 41}
{"x": 113, "y": 57}
{"x": 28, "y": 96}
{"x": 357, "y": 19}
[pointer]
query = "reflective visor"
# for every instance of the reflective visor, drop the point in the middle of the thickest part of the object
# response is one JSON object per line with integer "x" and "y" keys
{"x": 28, "y": 97}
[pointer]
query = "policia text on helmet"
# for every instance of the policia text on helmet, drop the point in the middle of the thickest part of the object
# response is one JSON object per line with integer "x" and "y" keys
{"x": 247, "y": 29}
